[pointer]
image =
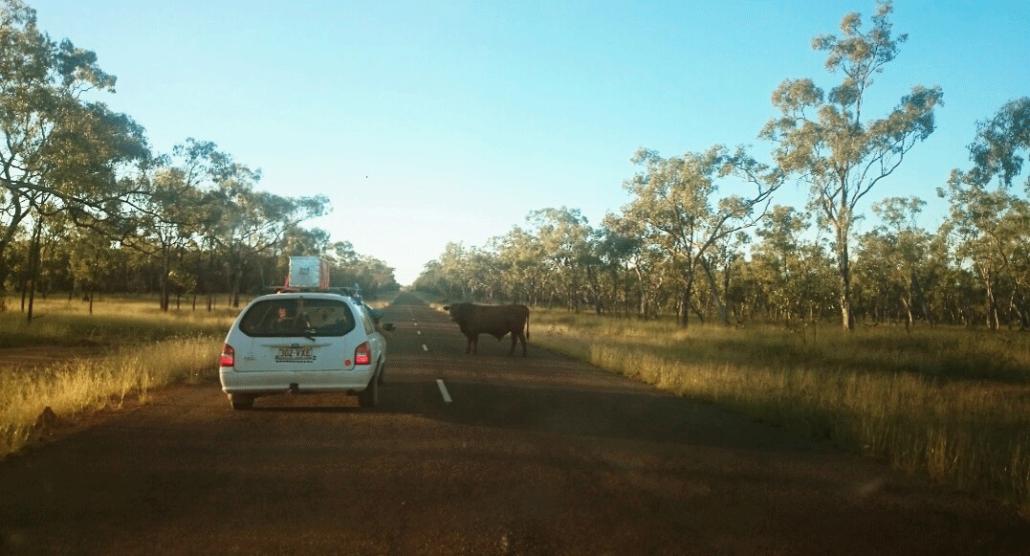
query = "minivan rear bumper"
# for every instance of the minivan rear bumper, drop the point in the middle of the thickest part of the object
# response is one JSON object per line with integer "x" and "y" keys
{"x": 257, "y": 382}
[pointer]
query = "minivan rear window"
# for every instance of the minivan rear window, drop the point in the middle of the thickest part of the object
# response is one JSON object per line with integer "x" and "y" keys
{"x": 297, "y": 317}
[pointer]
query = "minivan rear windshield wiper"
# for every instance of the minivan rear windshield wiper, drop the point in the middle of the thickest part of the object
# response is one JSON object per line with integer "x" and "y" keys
{"x": 310, "y": 334}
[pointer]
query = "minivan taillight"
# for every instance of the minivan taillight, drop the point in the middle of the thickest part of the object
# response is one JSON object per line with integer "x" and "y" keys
{"x": 363, "y": 355}
{"x": 228, "y": 357}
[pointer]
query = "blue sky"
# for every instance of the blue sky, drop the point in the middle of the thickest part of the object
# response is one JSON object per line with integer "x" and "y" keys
{"x": 429, "y": 122}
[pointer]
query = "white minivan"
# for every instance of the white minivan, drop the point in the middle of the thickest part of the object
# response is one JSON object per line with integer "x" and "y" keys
{"x": 303, "y": 342}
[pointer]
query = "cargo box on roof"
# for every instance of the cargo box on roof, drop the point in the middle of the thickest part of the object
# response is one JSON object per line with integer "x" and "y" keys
{"x": 308, "y": 272}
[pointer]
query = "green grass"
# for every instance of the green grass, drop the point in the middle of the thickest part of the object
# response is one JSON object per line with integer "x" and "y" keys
{"x": 949, "y": 403}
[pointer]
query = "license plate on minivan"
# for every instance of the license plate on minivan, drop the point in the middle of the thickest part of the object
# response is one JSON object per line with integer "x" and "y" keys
{"x": 295, "y": 354}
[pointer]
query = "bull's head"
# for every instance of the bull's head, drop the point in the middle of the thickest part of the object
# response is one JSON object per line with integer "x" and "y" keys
{"x": 456, "y": 310}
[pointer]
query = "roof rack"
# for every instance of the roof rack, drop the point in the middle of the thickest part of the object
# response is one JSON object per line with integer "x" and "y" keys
{"x": 349, "y": 292}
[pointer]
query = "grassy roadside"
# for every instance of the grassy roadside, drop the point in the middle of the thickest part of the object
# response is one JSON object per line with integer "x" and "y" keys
{"x": 948, "y": 403}
{"x": 142, "y": 348}
{"x": 132, "y": 347}
{"x": 117, "y": 320}
{"x": 81, "y": 386}
{"x": 951, "y": 404}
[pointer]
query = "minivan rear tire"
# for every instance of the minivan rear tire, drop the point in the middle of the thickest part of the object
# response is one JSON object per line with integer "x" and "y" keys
{"x": 369, "y": 397}
{"x": 241, "y": 401}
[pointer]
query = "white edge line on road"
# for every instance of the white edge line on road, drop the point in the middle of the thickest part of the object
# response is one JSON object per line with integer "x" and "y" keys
{"x": 443, "y": 391}
{"x": 425, "y": 347}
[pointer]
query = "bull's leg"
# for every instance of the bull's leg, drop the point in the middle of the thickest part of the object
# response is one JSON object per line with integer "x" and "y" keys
{"x": 522, "y": 338}
{"x": 514, "y": 339}
{"x": 468, "y": 344}
{"x": 475, "y": 344}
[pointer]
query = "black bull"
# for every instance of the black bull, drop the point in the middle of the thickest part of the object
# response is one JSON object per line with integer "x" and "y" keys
{"x": 495, "y": 320}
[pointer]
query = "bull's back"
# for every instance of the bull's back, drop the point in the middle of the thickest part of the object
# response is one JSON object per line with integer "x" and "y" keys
{"x": 499, "y": 320}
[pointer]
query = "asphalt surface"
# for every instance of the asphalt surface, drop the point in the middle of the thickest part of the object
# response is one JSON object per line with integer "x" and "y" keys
{"x": 536, "y": 455}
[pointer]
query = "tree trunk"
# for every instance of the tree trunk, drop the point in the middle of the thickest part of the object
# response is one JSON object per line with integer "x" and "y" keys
{"x": 91, "y": 302}
{"x": 236, "y": 281}
{"x": 33, "y": 268}
{"x": 165, "y": 263}
{"x": 844, "y": 274}
{"x": 993, "y": 322}
{"x": 726, "y": 292}
{"x": 595, "y": 290}
{"x": 906, "y": 303}
{"x": 643, "y": 293}
{"x": 683, "y": 311}
{"x": 720, "y": 306}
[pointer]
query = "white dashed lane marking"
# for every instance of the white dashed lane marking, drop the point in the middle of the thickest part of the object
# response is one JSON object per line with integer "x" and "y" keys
{"x": 443, "y": 391}
{"x": 425, "y": 347}
{"x": 419, "y": 332}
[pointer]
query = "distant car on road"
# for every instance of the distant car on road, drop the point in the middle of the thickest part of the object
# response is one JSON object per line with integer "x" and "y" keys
{"x": 303, "y": 342}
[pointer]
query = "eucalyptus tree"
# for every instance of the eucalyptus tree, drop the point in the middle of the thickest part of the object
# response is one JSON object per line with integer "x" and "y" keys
{"x": 42, "y": 235}
{"x": 349, "y": 267}
{"x": 618, "y": 248}
{"x": 722, "y": 257}
{"x": 242, "y": 222}
{"x": 297, "y": 241}
{"x": 521, "y": 254}
{"x": 1001, "y": 145}
{"x": 998, "y": 153}
{"x": 171, "y": 218}
{"x": 92, "y": 262}
{"x": 252, "y": 222}
{"x": 992, "y": 227}
{"x": 454, "y": 276}
{"x": 565, "y": 236}
{"x": 59, "y": 152}
{"x": 828, "y": 142}
{"x": 874, "y": 286}
{"x": 342, "y": 253}
{"x": 377, "y": 276}
{"x": 991, "y": 222}
{"x": 776, "y": 259}
{"x": 431, "y": 278}
{"x": 897, "y": 252}
{"x": 674, "y": 201}
{"x": 643, "y": 259}
{"x": 483, "y": 273}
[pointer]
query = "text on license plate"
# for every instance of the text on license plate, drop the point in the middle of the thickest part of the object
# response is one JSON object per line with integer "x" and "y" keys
{"x": 295, "y": 354}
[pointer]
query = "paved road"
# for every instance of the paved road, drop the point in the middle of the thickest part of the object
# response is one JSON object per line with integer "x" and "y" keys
{"x": 540, "y": 455}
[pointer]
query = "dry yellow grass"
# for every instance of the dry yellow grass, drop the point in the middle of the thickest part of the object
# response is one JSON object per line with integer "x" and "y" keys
{"x": 81, "y": 386}
{"x": 148, "y": 348}
{"x": 952, "y": 404}
{"x": 140, "y": 348}
{"x": 116, "y": 320}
